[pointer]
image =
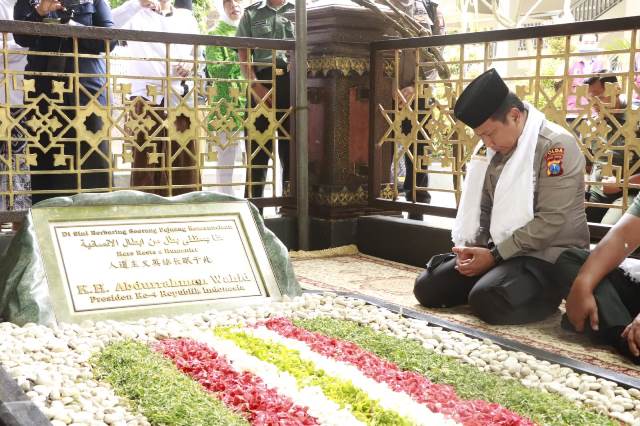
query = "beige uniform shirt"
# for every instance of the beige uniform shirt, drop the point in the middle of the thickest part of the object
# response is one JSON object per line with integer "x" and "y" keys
{"x": 559, "y": 221}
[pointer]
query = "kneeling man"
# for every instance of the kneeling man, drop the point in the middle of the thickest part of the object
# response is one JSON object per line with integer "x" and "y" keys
{"x": 605, "y": 298}
{"x": 522, "y": 207}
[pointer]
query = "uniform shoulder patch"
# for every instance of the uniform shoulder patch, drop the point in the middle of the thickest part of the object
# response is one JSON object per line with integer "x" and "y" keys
{"x": 553, "y": 132}
{"x": 554, "y": 158}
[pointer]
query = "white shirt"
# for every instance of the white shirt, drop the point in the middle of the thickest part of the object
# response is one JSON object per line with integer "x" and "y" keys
{"x": 181, "y": 21}
{"x": 149, "y": 72}
{"x": 145, "y": 75}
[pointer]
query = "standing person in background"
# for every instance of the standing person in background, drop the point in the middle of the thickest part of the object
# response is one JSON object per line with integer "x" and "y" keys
{"x": 185, "y": 159}
{"x": 63, "y": 156}
{"x": 143, "y": 75}
{"x": 430, "y": 16}
{"x": 149, "y": 74}
{"x": 426, "y": 13}
{"x": 266, "y": 19}
{"x": 228, "y": 94}
{"x": 17, "y": 145}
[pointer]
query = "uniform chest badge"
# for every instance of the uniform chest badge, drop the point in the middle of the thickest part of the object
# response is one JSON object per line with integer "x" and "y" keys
{"x": 554, "y": 158}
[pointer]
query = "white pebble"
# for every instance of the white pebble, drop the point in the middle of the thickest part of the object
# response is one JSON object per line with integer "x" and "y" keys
{"x": 51, "y": 365}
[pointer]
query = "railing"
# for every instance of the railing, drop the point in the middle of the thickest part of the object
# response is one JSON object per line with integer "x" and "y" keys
{"x": 423, "y": 134}
{"x": 97, "y": 124}
{"x": 590, "y": 10}
{"x": 69, "y": 136}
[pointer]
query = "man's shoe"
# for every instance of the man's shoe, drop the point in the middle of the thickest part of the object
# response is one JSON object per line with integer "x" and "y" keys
{"x": 421, "y": 197}
{"x": 600, "y": 337}
{"x": 416, "y": 216}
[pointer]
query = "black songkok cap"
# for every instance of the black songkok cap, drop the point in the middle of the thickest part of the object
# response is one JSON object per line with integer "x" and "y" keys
{"x": 183, "y": 4}
{"x": 481, "y": 98}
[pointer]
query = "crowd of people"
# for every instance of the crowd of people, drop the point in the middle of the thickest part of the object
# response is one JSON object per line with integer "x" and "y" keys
{"x": 159, "y": 164}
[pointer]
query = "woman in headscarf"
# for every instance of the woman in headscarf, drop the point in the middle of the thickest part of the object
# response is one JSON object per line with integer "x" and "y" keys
{"x": 228, "y": 101}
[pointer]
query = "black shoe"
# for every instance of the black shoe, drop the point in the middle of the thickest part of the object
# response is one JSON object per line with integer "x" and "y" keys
{"x": 421, "y": 197}
{"x": 596, "y": 337}
{"x": 416, "y": 216}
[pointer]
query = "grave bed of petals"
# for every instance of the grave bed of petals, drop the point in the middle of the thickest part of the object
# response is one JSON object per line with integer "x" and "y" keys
{"x": 316, "y": 359}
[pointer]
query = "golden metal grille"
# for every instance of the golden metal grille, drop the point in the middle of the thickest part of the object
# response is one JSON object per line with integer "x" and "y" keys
{"x": 544, "y": 75}
{"x": 165, "y": 139}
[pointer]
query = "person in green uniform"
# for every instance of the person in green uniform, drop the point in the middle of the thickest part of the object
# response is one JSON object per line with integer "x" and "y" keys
{"x": 604, "y": 300}
{"x": 522, "y": 208}
{"x": 222, "y": 64}
{"x": 266, "y": 19}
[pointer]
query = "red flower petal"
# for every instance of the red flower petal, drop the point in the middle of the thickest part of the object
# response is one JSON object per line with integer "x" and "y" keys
{"x": 437, "y": 397}
{"x": 243, "y": 392}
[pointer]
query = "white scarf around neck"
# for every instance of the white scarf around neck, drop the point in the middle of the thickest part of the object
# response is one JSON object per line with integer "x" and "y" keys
{"x": 513, "y": 197}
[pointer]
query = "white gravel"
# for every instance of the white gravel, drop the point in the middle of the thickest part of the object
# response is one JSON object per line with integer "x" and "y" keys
{"x": 51, "y": 364}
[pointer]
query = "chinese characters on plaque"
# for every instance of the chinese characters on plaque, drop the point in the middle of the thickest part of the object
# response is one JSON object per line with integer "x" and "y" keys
{"x": 129, "y": 261}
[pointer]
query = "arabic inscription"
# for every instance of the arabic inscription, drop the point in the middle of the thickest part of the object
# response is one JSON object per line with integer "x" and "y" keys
{"x": 111, "y": 264}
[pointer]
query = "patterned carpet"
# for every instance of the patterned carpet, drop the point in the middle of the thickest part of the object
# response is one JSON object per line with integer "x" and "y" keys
{"x": 347, "y": 270}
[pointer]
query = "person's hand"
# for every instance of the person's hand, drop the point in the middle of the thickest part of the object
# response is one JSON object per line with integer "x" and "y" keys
{"x": 609, "y": 186}
{"x": 632, "y": 334}
{"x": 406, "y": 93}
{"x": 47, "y": 6}
{"x": 461, "y": 255}
{"x": 581, "y": 306}
{"x": 259, "y": 94}
{"x": 149, "y": 4}
{"x": 473, "y": 261}
{"x": 184, "y": 69}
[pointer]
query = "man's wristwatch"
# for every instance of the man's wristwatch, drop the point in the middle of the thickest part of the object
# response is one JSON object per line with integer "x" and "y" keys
{"x": 496, "y": 254}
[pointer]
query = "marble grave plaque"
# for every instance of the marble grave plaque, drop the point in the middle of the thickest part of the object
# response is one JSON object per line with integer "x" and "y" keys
{"x": 127, "y": 261}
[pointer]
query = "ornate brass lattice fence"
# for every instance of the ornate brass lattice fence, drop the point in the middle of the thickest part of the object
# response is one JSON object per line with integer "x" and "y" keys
{"x": 539, "y": 64}
{"x": 126, "y": 127}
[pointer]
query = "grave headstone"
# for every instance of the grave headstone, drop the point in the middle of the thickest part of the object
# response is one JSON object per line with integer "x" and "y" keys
{"x": 127, "y": 255}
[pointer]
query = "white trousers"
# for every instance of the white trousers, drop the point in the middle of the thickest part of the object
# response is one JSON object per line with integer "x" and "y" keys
{"x": 228, "y": 158}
